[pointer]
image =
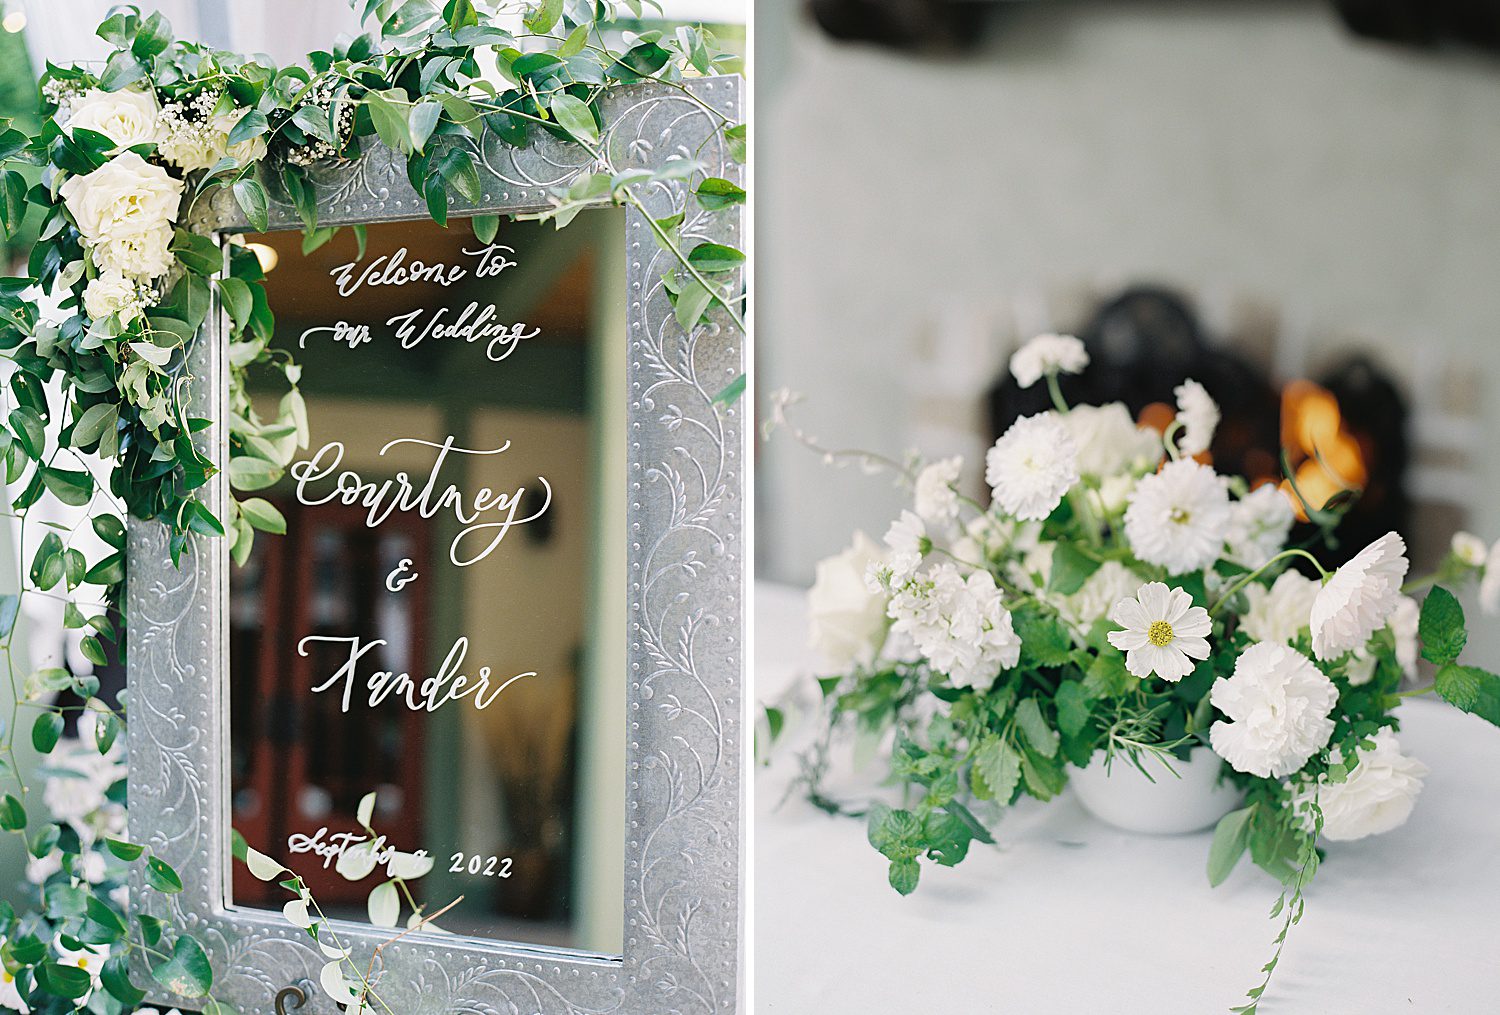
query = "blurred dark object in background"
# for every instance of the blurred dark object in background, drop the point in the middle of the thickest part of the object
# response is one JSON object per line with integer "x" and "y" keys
{"x": 923, "y": 25}
{"x": 1346, "y": 430}
{"x": 1425, "y": 22}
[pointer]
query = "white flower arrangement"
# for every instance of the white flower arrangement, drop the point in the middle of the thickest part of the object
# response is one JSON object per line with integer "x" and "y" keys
{"x": 1116, "y": 595}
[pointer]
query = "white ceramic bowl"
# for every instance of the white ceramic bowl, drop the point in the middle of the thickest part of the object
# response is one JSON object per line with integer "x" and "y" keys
{"x": 1190, "y": 801}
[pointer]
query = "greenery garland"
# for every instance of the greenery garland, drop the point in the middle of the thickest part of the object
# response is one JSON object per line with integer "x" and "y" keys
{"x": 122, "y": 277}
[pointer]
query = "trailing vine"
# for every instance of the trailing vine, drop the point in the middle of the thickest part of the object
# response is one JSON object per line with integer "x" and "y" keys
{"x": 125, "y": 272}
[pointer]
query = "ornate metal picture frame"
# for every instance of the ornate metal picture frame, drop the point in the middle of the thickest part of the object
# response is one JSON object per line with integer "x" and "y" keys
{"x": 681, "y": 671}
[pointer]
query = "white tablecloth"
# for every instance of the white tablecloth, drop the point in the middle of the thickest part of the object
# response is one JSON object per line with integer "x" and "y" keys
{"x": 1067, "y": 915}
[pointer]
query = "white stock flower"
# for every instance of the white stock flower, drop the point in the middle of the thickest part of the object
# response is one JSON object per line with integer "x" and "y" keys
{"x": 1178, "y": 517}
{"x": 1109, "y": 442}
{"x": 1378, "y": 795}
{"x": 1279, "y": 613}
{"x": 1279, "y": 704}
{"x": 936, "y": 500}
{"x": 1031, "y": 466}
{"x": 1259, "y": 524}
{"x": 1104, "y": 588}
{"x": 1163, "y": 632}
{"x": 1469, "y": 549}
{"x": 847, "y": 619}
{"x": 960, "y": 625}
{"x": 128, "y": 117}
{"x": 1360, "y": 598}
{"x": 113, "y": 293}
{"x": 1048, "y": 354}
{"x": 1489, "y": 585}
{"x": 1199, "y": 415}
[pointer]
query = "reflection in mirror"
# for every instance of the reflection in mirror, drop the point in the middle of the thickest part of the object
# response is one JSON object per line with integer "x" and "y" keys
{"x": 443, "y": 622}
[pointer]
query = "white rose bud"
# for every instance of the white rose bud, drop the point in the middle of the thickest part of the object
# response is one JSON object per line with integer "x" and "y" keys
{"x": 128, "y": 118}
{"x": 847, "y": 619}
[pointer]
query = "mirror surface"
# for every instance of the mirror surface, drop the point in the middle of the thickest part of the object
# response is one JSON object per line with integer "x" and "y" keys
{"x": 443, "y": 623}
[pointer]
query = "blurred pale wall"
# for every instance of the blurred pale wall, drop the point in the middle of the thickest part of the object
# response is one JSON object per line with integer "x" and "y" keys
{"x": 1234, "y": 146}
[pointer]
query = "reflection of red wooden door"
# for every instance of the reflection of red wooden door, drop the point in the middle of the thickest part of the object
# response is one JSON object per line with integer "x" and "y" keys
{"x": 309, "y": 760}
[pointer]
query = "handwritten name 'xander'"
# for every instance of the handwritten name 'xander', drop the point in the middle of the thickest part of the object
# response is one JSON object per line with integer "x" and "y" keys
{"x": 448, "y": 684}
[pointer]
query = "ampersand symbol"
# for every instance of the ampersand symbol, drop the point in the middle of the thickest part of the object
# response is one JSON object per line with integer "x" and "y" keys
{"x": 394, "y": 581}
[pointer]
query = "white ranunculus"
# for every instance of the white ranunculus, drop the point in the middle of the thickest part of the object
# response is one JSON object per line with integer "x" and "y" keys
{"x": 112, "y": 293}
{"x": 1109, "y": 442}
{"x": 1279, "y": 704}
{"x": 936, "y": 499}
{"x": 1279, "y": 613}
{"x": 847, "y": 619}
{"x": 128, "y": 118}
{"x": 1469, "y": 549}
{"x": 1198, "y": 414}
{"x": 1360, "y": 598}
{"x": 124, "y": 197}
{"x": 1048, "y": 354}
{"x": 1259, "y": 524}
{"x": 1377, "y": 796}
{"x": 1178, "y": 517}
{"x": 1032, "y": 466}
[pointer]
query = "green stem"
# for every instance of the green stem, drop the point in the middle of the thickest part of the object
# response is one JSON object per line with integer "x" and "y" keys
{"x": 1247, "y": 579}
{"x": 1055, "y": 390}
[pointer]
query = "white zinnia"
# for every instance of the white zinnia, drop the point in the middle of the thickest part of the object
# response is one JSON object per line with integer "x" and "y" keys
{"x": 112, "y": 293}
{"x": 1164, "y": 631}
{"x": 1109, "y": 441}
{"x": 960, "y": 625}
{"x": 1198, "y": 414}
{"x": 1360, "y": 598}
{"x": 847, "y": 619}
{"x": 1048, "y": 354}
{"x": 1279, "y": 613}
{"x": 936, "y": 500}
{"x": 128, "y": 117}
{"x": 1178, "y": 517}
{"x": 1031, "y": 466}
{"x": 1489, "y": 585}
{"x": 1259, "y": 524}
{"x": 1378, "y": 795}
{"x": 1469, "y": 549}
{"x": 1279, "y": 704}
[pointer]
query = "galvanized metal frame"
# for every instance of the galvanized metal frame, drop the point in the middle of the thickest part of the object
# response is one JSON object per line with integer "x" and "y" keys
{"x": 681, "y": 672}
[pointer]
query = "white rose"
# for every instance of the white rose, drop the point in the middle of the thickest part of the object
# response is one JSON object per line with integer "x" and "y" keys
{"x": 128, "y": 118}
{"x": 1279, "y": 706}
{"x": 124, "y": 197}
{"x": 1378, "y": 795}
{"x": 1281, "y": 612}
{"x": 192, "y": 146}
{"x": 847, "y": 619}
{"x": 112, "y": 293}
{"x": 252, "y": 150}
{"x": 140, "y": 255}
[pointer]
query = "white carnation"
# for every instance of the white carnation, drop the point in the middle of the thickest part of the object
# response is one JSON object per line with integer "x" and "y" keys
{"x": 113, "y": 293}
{"x": 1279, "y": 704}
{"x": 1048, "y": 354}
{"x": 1259, "y": 524}
{"x": 960, "y": 625}
{"x": 1360, "y": 598}
{"x": 1032, "y": 466}
{"x": 1279, "y": 613}
{"x": 1378, "y": 795}
{"x": 128, "y": 117}
{"x": 1178, "y": 517}
{"x": 847, "y": 619}
{"x": 1198, "y": 414}
{"x": 1109, "y": 442}
{"x": 936, "y": 499}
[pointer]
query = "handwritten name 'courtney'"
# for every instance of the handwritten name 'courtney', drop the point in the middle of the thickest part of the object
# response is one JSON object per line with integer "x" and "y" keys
{"x": 448, "y": 684}
{"x": 500, "y": 508}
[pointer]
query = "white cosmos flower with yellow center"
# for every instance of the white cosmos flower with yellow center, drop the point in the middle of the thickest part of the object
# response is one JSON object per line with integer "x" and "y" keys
{"x": 1164, "y": 631}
